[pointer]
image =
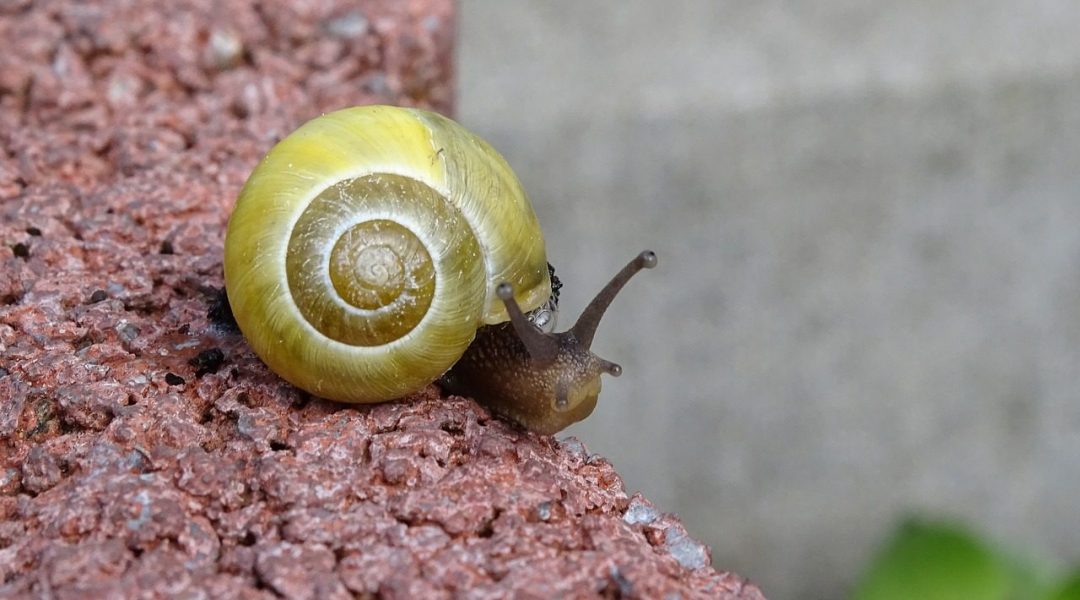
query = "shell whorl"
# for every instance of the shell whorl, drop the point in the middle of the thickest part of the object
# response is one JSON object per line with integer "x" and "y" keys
{"x": 364, "y": 257}
{"x": 364, "y": 251}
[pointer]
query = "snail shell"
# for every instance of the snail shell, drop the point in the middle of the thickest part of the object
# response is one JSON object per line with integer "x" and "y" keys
{"x": 366, "y": 248}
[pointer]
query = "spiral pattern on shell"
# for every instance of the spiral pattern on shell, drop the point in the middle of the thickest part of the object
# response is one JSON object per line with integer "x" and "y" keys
{"x": 365, "y": 248}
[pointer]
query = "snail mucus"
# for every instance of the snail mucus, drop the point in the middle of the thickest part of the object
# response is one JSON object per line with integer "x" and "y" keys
{"x": 377, "y": 249}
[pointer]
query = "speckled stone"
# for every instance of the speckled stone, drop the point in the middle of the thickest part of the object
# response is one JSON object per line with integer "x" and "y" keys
{"x": 144, "y": 450}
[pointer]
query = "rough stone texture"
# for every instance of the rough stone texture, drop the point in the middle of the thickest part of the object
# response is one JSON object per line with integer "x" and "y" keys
{"x": 144, "y": 450}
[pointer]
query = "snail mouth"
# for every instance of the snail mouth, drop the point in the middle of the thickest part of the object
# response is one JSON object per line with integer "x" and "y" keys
{"x": 577, "y": 394}
{"x": 558, "y": 419}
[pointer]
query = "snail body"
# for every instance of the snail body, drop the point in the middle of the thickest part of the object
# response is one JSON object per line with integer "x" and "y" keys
{"x": 368, "y": 248}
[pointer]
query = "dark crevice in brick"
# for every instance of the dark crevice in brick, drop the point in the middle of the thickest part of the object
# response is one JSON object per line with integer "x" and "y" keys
{"x": 208, "y": 361}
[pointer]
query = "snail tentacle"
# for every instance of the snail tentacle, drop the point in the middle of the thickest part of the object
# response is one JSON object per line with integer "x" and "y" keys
{"x": 542, "y": 347}
{"x": 585, "y": 327}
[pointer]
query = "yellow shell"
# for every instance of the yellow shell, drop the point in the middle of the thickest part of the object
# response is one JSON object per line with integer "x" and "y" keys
{"x": 365, "y": 249}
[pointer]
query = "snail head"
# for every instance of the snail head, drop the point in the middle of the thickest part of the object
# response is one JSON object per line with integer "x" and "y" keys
{"x": 543, "y": 381}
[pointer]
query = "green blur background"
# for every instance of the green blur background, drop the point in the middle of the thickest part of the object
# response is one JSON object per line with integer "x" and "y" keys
{"x": 868, "y": 300}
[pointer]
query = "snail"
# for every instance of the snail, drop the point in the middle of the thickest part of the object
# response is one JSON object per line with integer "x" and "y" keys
{"x": 377, "y": 249}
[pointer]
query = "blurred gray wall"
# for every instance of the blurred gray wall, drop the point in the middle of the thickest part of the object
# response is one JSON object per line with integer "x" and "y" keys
{"x": 868, "y": 221}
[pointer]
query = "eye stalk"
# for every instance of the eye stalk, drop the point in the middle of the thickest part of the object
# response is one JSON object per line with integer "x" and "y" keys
{"x": 544, "y": 381}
